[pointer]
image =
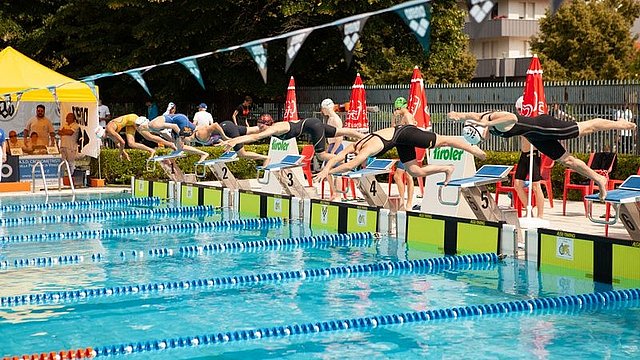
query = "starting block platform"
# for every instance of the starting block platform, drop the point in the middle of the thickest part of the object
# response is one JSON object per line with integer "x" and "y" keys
{"x": 368, "y": 185}
{"x": 625, "y": 201}
{"x": 475, "y": 192}
{"x": 220, "y": 170}
{"x": 287, "y": 179}
{"x": 167, "y": 163}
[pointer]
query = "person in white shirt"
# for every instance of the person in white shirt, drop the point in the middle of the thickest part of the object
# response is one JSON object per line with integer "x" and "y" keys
{"x": 625, "y": 136}
{"x": 202, "y": 117}
{"x": 104, "y": 115}
{"x": 42, "y": 125}
{"x": 69, "y": 140}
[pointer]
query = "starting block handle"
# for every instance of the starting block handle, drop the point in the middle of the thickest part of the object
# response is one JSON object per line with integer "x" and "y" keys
{"x": 450, "y": 203}
{"x": 612, "y": 219}
{"x": 204, "y": 170}
{"x": 151, "y": 165}
{"x": 264, "y": 180}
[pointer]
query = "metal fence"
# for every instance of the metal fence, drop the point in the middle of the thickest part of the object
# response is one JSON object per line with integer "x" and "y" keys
{"x": 579, "y": 101}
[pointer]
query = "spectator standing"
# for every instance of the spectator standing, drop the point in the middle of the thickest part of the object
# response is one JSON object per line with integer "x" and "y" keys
{"x": 625, "y": 136}
{"x": 243, "y": 112}
{"x": 202, "y": 117}
{"x": 335, "y": 143}
{"x": 104, "y": 115}
{"x": 69, "y": 140}
{"x": 402, "y": 116}
{"x": 41, "y": 125}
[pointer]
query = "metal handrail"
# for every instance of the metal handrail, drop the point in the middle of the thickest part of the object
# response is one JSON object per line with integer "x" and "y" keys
{"x": 73, "y": 188}
{"x": 33, "y": 178}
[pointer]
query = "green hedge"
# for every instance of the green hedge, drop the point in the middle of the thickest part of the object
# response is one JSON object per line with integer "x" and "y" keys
{"x": 118, "y": 171}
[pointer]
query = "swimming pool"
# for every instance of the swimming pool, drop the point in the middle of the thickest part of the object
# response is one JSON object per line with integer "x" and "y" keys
{"x": 146, "y": 279}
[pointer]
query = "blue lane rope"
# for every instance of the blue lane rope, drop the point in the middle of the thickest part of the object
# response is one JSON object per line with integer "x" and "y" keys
{"x": 88, "y": 204}
{"x": 43, "y": 261}
{"x": 129, "y": 214}
{"x": 180, "y": 227}
{"x": 353, "y": 239}
{"x": 582, "y": 301}
{"x": 433, "y": 265}
{"x": 246, "y": 246}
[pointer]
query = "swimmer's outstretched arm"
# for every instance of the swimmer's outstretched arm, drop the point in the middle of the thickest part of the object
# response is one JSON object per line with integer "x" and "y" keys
{"x": 485, "y": 119}
{"x": 333, "y": 161}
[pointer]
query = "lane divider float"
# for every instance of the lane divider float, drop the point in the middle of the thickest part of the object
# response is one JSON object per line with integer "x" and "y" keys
{"x": 129, "y": 214}
{"x": 432, "y": 265}
{"x": 88, "y": 204}
{"x": 179, "y": 227}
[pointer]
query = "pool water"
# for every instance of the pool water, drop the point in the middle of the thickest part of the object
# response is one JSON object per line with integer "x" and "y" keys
{"x": 148, "y": 316}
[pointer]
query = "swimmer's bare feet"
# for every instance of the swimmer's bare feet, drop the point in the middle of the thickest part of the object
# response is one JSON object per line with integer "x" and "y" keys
{"x": 601, "y": 181}
{"x": 448, "y": 172}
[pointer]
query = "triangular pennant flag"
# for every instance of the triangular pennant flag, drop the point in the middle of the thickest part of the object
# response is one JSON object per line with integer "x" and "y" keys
{"x": 294, "y": 43}
{"x": 351, "y": 35}
{"x": 479, "y": 9}
{"x": 555, "y": 5}
{"x": 259, "y": 54}
{"x": 192, "y": 65}
{"x": 418, "y": 18}
{"x": 92, "y": 85}
{"x": 137, "y": 75}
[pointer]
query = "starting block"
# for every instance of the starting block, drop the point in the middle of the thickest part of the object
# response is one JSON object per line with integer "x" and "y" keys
{"x": 368, "y": 185}
{"x": 474, "y": 189}
{"x": 220, "y": 170}
{"x": 625, "y": 201}
{"x": 287, "y": 179}
{"x": 168, "y": 164}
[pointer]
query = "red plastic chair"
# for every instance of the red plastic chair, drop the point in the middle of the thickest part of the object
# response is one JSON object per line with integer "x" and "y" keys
{"x": 506, "y": 189}
{"x": 546, "y": 167}
{"x": 307, "y": 152}
{"x": 588, "y": 188}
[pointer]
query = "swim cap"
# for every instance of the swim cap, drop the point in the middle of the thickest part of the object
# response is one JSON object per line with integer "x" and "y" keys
{"x": 519, "y": 103}
{"x": 141, "y": 120}
{"x": 473, "y": 134}
{"x": 327, "y": 104}
{"x": 99, "y": 130}
{"x": 400, "y": 103}
{"x": 265, "y": 119}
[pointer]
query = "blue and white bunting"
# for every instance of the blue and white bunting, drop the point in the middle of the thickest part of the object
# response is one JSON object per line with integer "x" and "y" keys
{"x": 137, "y": 75}
{"x": 418, "y": 18}
{"x": 294, "y": 43}
{"x": 259, "y": 54}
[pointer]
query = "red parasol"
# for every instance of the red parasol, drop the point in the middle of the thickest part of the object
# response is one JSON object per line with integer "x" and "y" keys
{"x": 533, "y": 104}
{"x": 418, "y": 105}
{"x": 357, "y": 115}
{"x": 418, "y": 100}
{"x": 290, "y": 106}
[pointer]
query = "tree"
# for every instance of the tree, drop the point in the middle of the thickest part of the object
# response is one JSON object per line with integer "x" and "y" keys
{"x": 588, "y": 40}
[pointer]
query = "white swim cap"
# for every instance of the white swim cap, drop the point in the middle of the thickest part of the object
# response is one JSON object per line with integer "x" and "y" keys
{"x": 99, "y": 130}
{"x": 519, "y": 103}
{"x": 327, "y": 104}
{"x": 473, "y": 134}
{"x": 141, "y": 120}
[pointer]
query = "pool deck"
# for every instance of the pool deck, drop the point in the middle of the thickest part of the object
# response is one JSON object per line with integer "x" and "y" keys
{"x": 574, "y": 221}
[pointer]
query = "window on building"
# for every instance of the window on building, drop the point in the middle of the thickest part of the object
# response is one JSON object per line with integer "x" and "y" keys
{"x": 487, "y": 50}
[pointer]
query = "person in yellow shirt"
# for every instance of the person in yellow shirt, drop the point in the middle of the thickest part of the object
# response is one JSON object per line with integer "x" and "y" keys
{"x": 128, "y": 124}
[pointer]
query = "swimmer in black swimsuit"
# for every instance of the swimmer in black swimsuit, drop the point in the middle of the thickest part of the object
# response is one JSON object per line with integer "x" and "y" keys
{"x": 544, "y": 132}
{"x": 405, "y": 138}
{"x": 227, "y": 130}
{"x": 284, "y": 130}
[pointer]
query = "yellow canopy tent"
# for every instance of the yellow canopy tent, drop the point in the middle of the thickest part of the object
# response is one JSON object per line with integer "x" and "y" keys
{"x": 19, "y": 73}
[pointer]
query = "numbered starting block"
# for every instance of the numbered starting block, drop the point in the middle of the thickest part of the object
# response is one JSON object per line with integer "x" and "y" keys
{"x": 287, "y": 179}
{"x": 625, "y": 201}
{"x": 475, "y": 192}
{"x": 220, "y": 170}
{"x": 369, "y": 186}
{"x": 170, "y": 167}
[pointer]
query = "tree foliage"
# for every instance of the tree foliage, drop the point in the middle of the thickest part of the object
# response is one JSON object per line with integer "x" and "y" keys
{"x": 85, "y": 37}
{"x": 588, "y": 40}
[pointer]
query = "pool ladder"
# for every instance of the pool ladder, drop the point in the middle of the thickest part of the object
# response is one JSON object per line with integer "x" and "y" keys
{"x": 38, "y": 165}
